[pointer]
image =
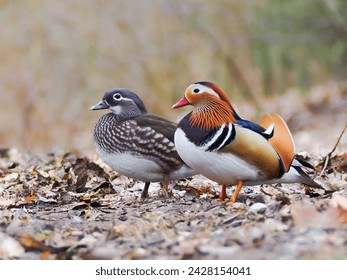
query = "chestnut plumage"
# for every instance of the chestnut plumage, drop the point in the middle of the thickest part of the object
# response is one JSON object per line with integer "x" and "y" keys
{"x": 215, "y": 141}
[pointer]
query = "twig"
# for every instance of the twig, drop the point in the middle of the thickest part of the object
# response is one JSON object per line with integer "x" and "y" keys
{"x": 328, "y": 156}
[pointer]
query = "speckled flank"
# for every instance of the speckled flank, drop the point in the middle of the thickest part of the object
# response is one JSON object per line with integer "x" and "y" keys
{"x": 117, "y": 137}
{"x": 135, "y": 143}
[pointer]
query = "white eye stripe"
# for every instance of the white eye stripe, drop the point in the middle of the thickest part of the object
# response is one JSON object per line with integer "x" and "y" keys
{"x": 202, "y": 89}
{"x": 118, "y": 97}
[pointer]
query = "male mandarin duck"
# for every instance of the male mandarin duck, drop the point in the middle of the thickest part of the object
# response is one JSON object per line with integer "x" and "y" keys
{"x": 137, "y": 144}
{"x": 216, "y": 142}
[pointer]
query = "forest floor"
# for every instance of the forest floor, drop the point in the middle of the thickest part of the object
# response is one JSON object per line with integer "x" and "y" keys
{"x": 69, "y": 206}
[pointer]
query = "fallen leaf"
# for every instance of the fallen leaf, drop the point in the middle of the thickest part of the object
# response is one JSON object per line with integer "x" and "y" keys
{"x": 45, "y": 255}
{"x": 25, "y": 220}
{"x": 339, "y": 203}
{"x": 339, "y": 163}
{"x": 30, "y": 197}
{"x": 205, "y": 190}
{"x": 305, "y": 215}
{"x": 29, "y": 242}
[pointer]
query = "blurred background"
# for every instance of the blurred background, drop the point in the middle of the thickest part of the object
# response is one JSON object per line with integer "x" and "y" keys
{"x": 59, "y": 57}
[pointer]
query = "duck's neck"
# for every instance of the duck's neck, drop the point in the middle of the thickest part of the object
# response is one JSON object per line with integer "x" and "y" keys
{"x": 213, "y": 114}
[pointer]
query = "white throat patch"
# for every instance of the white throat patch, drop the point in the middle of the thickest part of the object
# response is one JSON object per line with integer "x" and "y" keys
{"x": 116, "y": 109}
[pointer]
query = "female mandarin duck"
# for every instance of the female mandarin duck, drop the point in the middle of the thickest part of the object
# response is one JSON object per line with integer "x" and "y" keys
{"x": 135, "y": 143}
{"x": 215, "y": 141}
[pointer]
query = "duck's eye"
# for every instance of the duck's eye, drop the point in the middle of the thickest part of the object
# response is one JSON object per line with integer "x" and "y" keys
{"x": 196, "y": 90}
{"x": 117, "y": 96}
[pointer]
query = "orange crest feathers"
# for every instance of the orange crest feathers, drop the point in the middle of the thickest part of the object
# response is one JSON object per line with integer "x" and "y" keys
{"x": 212, "y": 105}
{"x": 219, "y": 91}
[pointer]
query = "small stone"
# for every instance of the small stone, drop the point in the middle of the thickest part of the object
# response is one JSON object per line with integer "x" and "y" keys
{"x": 258, "y": 207}
{"x": 238, "y": 206}
{"x": 118, "y": 189}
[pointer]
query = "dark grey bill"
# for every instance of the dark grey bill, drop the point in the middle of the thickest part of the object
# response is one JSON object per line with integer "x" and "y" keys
{"x": 100, "y": 106}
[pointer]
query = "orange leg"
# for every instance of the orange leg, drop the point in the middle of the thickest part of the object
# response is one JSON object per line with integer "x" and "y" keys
{"x": 237, "y": 191}
{"x": 223, "y": 193}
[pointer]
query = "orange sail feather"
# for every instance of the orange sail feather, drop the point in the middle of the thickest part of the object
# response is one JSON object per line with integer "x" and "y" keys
{"x": 282, "y": 140}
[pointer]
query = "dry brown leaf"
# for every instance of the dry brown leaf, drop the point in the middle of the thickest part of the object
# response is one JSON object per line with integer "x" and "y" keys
{"x": 69, "y": 217}
{"x": 341, "y": 164}
{"x": 29, "y": 242}
{"x": 86, "y": 198}
{"x": 306, "y": 216}
{"x": 30, "y": 197}
{"x": 339, "y": 203}
{"x": 25, "y": 220}
{"x": 118, "y": 230}
{"x": 206, "y": 189}
{"x": 45, "y": 255}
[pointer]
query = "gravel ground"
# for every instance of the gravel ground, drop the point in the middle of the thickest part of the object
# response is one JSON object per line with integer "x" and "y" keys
{"x": 70, "y": 207}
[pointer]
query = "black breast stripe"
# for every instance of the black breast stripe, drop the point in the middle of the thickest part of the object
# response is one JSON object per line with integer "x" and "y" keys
{"x": 213, "y": 140}
{"x": 225, "y": 137}
{"x": 196, "y": 135}
{"x": 230, "y": 137}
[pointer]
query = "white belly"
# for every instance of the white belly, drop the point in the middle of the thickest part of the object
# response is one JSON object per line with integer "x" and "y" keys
{"x": 224, "y": 168}
{"x": 132, "y": 166}
{"x": 140, "y": 168}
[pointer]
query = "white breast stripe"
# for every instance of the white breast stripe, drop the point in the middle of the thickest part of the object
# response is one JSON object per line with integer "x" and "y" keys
{"x": 230, "y": 130}
{"x": 215, "y": 137}
{"x": 220, "y": 139}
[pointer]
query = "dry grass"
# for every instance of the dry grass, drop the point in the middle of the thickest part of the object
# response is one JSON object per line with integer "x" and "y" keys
{"x": 59, "y": 57}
